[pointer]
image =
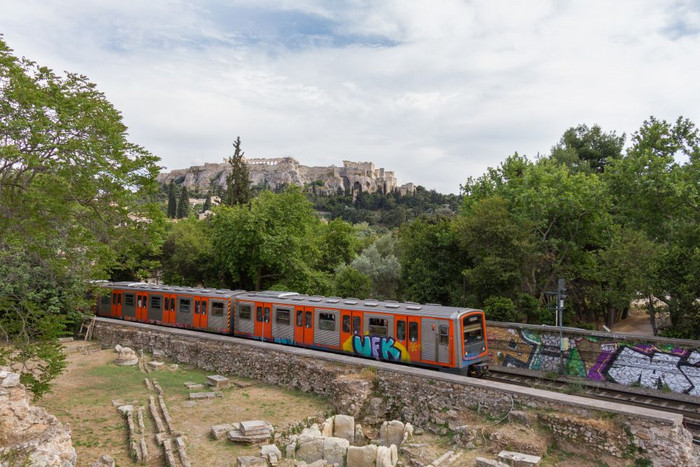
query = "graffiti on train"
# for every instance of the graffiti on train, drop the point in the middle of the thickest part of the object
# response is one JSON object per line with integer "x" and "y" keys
{"x": 383, "y": 348}
{"x": 641, "y": 364}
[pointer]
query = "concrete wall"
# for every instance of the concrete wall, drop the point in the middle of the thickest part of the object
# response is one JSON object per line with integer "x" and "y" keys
{"x": 650, "y": 362}
{"x": 383, "y": 391}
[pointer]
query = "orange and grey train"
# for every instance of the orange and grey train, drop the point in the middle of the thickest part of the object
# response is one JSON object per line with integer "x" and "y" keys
{"x": 445, "y": 338}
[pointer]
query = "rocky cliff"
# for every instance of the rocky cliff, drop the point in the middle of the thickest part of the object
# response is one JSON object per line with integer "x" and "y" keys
{"x": 273, "y": 173}
{"x": 30, "y": 435}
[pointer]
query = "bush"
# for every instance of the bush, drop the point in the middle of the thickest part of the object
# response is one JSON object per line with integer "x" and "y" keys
{"x": 500, "y": 309}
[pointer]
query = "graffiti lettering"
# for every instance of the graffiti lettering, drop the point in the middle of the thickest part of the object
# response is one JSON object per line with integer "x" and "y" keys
{"x": 377, "y": 347}
{"x": 649, "y": 365}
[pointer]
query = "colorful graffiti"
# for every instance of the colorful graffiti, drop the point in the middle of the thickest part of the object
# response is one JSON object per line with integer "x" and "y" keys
{"x": 646, "y": 364}
{"x": 383, "y": 348}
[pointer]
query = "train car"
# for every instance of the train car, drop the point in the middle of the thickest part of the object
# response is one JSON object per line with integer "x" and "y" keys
{"x": 184, "y": 307}
{"x": 445, "y": 338}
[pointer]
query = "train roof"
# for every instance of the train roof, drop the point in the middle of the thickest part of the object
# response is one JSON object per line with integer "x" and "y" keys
{"x": 371, "y": 305}
{"x": 173, "y": 289}
{"x": 296, "y": 299}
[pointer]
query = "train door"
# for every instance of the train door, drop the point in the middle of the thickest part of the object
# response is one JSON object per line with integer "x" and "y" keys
{"x": 200, "y": 312}
{"x": 401, "y": 330}
{"x": 443, "y": 342}
{"x": 414, "y": 338}
{"x": 116, "y": 303}
{"x": 357, "y": 323}
{"x": 141, "y": 306}
{"x": 169, "y": 309}
{"x": 263, "y": 323}
{"x": 346, "y": 328}
{"x": 304, "y": 326}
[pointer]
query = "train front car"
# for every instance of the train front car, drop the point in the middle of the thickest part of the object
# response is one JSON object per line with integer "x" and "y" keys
{"x": 474, "y": 360}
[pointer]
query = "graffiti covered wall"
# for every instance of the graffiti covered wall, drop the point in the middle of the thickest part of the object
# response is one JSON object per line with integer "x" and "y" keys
{"x": 649, "y": 362}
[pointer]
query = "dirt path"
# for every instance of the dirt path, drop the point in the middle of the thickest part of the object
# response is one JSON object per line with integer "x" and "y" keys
{"x": 636, "y": 323}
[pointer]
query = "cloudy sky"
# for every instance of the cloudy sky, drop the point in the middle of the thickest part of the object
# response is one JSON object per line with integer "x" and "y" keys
{"x": 435, "y": 90}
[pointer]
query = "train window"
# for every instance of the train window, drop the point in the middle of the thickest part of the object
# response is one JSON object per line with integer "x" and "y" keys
{"x": 172, "y": 304}
{"x": 346, "y": 323}
{"x": 204, "y": 307}
{"x": 129, "y": 299}
{"x": 196, "y": 307}
{"x": 378, "y": 327}
{"x": 300, "y": 318}
{"x": 401, "y": 330}
{"x": 167, "y": 303}
{"x": 309, "y": 319}
{"x": 155, "y": 302}
{"x": 283, "y": 317}
{"x": 259, "y": 314}
{"x": 472, "y": 329}
{"x": 267, "y": 315}
{"x": 326, "y": 322}
{"x": 138, "y": 301}
{"x": 119, "y": 299}
{"x": 244, "y": 311}
{"x": 357, "y": 325}
{"x": 444, "y": 333}
{"x": 114, "y": 299}
{"x": 413, "y": 331}
{"x": 217, "y": 309}
{"x": 105, "y": 300}
{"x": 185, "y": 305}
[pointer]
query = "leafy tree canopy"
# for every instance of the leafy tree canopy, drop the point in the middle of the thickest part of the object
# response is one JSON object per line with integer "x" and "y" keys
{"x": 74, "y": 195}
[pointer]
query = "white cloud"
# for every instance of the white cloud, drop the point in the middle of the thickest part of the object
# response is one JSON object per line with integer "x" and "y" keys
{"x": 434, "y": 91}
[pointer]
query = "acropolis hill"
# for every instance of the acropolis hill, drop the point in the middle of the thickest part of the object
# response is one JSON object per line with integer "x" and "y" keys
{"x": 273, "y": 173}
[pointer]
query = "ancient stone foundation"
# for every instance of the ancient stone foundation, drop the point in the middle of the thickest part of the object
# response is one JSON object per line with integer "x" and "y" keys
{"x": 424, "y": 398}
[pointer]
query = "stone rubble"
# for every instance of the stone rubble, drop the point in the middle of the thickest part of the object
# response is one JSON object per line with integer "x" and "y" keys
{"x": 251, "y": 432}
{"x": 218, "y": 381}
{"x": 29, "y": 435}
{"x": 125, "y": 356}
{"x": 518, "y": 459}
{"x": 193, "y": 396}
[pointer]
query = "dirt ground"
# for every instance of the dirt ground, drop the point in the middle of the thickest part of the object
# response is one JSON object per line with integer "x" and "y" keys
{"x": 636, "y": 323}
{"x": 83, "y": 397}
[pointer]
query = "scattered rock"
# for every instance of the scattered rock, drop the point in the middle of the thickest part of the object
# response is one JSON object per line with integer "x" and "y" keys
{"x": 155, "y": 365}
{"x": 519, "y": 459}
{"x": 243, "y": 384}
{"x": 126, "y": 356}
{"x": 104, "y": 461}
{"x": 391, "y": 433}
{"x": 218, "y": 381}
{"x": 271, "y": 453}
{"x": 311, "y": 450}
{"x": 251, "y": 432}
{"x": 204, "y": 395}
{"x": 219, "y": 431}
{"x": 344, "y": 427}
{"x": 157, "y": 353}
{"x": 483, "y": 462}
{"x": 335, "y": 450}
{"x": 251, "y": 461}
{"x": 362, "y": 456}
{"x": 192, "y": 385}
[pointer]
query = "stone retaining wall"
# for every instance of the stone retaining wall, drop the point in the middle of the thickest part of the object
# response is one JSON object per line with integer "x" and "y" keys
{"x": 421, "y": 397}
{"x": 650, "y": 362}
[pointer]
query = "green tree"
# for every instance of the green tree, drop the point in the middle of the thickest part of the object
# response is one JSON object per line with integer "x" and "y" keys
{"x": 207, "y": 203}
{"x": 349, "y": 282}
{"x": 656, "y": 188}
{"x": 380, "y": 263}
{"x": 588, "y": 149}
{"x": 339, "y": 244}
{"x": 238, "y": 180}
{"x": 183, "y": 205}
{"x": 74, "y": 195}
{"x": 187, "y": 255}
{"x": 270, "y": 243}
{"x": 431, "y": 261}
{"x": 172, "y": 200}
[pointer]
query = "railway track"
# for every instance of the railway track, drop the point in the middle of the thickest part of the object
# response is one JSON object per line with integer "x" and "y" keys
{"x": 687, "y": 406}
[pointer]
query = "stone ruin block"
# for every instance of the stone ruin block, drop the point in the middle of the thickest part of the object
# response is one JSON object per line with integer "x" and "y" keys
{"x": 219, "y": 431}
{"x": 251, "y": 432}
{"x": 517, "y": 459}
{"x": 155, "y": 365}
{"x": 192, "y": 385}
{"x": 218, "y": 381}
{"x": 204, "y": 395}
